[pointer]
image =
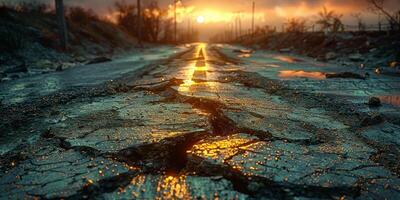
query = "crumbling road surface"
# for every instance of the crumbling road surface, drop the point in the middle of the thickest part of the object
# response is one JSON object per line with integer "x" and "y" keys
{"x": 209, "y": 123}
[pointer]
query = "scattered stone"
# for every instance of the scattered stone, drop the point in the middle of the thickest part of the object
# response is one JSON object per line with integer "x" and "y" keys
{"x": 330, "y": 55}
{"x": 246, "y": 51}
{"x": 345, "y": 75}
{"x": 371, "y": 120}
{"x": 356, "y": 57}
{"x": 393, "y": 64}
{"x": 6, "y": 79}
{"x": 80, "y": 59}
{"x": 59, "y": 68}
{"x": 378, "y": 70}
{"x": 45, "y": 64}
{"x": 374, "y": 102}
{"x": 100, "y": 59}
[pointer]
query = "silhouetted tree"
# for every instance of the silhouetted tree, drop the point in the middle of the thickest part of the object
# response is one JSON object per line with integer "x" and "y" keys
{"x": 393, "y": 18}
{"x": 152, "y": 21}
{"x": 330, "y": 21}
{"x": 360, "y": 23}
{"x": 295, "y": 25}
{"x": 126, "y": 16}
{"x": 79, "y": 14}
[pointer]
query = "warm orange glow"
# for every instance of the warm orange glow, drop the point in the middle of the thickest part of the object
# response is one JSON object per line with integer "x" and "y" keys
{"x": 172, "y": 187}
{"x": 200, "y": 19}
{"x": 197, "y": 69}
{"x": 301, "y": 74}
{"x": 393, "y": 100}
{"x": 213, "y": 149}
{"x": 287, "y": 59}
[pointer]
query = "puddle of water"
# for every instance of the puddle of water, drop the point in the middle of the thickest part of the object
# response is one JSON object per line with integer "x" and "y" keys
{"x": 287, "y": 59}
{"x": 392, "y": 100}
{"x": 244, "y": 55}
{"x": 272, "y": 65}
{"x": 301, "y": 74}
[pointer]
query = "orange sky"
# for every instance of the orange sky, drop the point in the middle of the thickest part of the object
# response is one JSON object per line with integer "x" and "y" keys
{"x": 219, "y": 14}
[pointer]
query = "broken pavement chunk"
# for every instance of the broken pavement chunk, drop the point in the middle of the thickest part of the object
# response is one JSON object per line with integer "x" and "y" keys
{"x": 130, "y": 121}
{"x": 55, "y": 174}
{"x": 287, "y": 165}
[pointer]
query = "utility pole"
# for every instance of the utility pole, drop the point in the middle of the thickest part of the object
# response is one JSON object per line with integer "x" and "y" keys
{"x": 188, "y": 30}
{"x": 252, "y": 19}
{"x": 139, "y": 25}
{"x": 379, "y": 22}
{"x": 175, "y": 22}
{"x": 236, "y": 27}
{"x": 240, "y": 24}
{"x": 62, "y": 26}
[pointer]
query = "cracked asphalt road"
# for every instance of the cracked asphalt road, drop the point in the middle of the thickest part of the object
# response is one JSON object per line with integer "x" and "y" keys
{"x": 208, "y": 123}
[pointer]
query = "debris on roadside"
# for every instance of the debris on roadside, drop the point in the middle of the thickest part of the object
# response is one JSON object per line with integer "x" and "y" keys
{"x": 374, "y": 102}
{"x": 356, "y": 57}
{"x": 245, "y": 51}
{"x": 346, "y": 75}
{"x": 100, "y": 59}
{"x": 378, "y": 70}
{"x": 372, "y": 119}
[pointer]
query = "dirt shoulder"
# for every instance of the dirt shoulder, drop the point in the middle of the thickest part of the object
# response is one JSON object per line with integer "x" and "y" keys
{"x": 29, "y": 42}
{"x": 374, "y": 50}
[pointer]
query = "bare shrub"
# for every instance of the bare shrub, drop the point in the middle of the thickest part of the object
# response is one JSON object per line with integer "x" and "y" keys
{"x": 79, "y": 14}
{"x": 329, "y": 21}
{"x": 295, "y": 25}
{"x": 393, "y": 18}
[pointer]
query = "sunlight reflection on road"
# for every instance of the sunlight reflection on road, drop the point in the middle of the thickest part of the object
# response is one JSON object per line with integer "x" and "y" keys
{"x": 196, "y": 73}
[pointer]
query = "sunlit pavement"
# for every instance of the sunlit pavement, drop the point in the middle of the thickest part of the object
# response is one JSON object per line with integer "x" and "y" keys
{"x": 210, "y": 123}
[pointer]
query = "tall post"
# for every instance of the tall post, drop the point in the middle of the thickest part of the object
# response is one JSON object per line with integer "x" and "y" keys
{"x": 236, "y": 27}
{"x": 240, "y": 24}
{"x": 379, "y": 23}
{"x": 175, "y": 22}
{"x": 139, "y": 25}
{"x": 62, "y": 26}
{"x": 188, "y": 29}
{"x": 252, "y": 18}
{"x": 232, "y": 31}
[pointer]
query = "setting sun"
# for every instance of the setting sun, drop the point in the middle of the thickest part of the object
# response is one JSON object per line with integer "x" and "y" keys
{"x": 200, "y": 19}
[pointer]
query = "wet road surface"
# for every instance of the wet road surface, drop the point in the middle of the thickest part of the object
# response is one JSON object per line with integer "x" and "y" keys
{"x": 209, "y": 123}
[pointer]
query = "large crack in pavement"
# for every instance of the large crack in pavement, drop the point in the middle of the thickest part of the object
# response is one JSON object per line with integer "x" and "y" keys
{"x": 197, "y": 127}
